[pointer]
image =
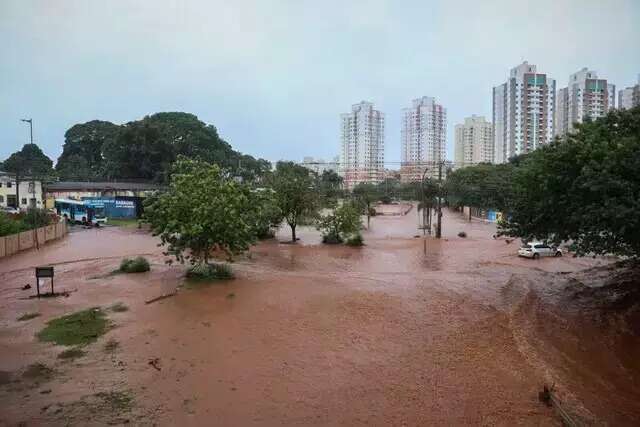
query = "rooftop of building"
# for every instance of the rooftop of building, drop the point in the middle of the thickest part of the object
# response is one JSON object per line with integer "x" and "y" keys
{"x": 101, "y": 186}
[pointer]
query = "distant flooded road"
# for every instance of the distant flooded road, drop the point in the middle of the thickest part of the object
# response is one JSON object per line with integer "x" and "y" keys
{"x": 309, "y": 334}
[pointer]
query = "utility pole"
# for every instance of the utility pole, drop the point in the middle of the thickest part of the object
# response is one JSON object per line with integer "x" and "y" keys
{"x": 30, "y": 121}
{"x": 439, "y": 225}
{"x": 424, "y": 207}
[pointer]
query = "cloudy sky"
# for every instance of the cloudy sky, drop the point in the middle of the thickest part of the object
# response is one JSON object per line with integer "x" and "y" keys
{"x": 273, "y": 76}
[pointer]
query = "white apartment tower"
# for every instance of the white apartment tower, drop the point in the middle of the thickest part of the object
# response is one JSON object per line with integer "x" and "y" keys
{"x": 629, "y": 97}
{"x": 585, "y": 96}
{"x": 362, "y": 156}
{"x": 473, "y": 142}
{"x": 523, "y": 112}
{"x": 424, "y": 138}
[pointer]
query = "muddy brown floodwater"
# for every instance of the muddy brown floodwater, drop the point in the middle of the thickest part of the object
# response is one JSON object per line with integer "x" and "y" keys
{"x": 466, "y": 334}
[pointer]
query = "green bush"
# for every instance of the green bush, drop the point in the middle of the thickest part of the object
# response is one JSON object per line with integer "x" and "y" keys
{"x": 9, "y": 225}
{"x": 355, "y": 240}
{"x": 331, "y": 239}
{"x": 36, "y": 218}
{"x": 135, "y": 265}
{"x": 204, "y": 271}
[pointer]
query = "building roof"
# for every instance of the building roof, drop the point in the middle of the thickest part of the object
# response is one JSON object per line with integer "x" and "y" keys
{"x": 101, "y": 186}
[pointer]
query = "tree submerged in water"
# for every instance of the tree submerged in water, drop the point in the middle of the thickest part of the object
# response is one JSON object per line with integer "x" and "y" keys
{"x": 202, "y": 212}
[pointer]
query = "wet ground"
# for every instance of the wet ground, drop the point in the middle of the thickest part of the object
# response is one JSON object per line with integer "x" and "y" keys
{"x": 309, "y": 334}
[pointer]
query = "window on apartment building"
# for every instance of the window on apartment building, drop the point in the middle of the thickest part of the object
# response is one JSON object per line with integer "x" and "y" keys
{"x": 1, "y": 199}
{"x": 9, "y": 184}
{"x": 23, "y": 201}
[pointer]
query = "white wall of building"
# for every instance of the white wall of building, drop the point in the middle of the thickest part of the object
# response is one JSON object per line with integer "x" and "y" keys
{"x": 523, "y": 112}
{"x": 362, "y": 152}
{"x": 30, "y": 192}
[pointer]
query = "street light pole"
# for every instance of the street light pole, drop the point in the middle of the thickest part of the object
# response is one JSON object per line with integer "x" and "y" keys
{"x": 33, "y": 182}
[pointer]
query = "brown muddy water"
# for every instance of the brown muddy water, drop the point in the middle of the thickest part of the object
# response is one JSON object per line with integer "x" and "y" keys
{"x": 466, "y": 334}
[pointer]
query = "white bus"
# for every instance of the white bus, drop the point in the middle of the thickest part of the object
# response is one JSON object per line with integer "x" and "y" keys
{"x": 78, "y": 211}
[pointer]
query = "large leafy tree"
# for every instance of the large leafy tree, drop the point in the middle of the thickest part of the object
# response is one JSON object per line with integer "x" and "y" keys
{"x": 203, "y": 211}
{"x": 296, "y": 193}
{"x": 146, "y": 148}
{"x": 584, "y": 189}
{"x": 30, "y": 162}
{"x": 483, "y": 186}
{"x": 330, "y": 187}
{"x": 83, "y": 151}
{"x": 339, "y": 224}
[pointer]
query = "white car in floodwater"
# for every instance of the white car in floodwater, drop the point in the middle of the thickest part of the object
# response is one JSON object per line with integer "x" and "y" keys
{"x": 536, "y": 250}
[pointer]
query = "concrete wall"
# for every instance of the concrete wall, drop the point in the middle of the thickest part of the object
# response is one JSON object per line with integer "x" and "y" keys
{"x": 9, "y": 245}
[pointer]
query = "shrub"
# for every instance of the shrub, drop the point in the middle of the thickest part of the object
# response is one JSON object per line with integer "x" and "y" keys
{"x": 462, "y": 234}
{"x": 204, "y": 271}
{"x": 135, "y": 265}
{"x": 331, "y": 239}
{"x": 385, "y": 200}
{"x": 372, "y": 212}
{"x": 36, "y": 218}
{"x": 355, "y": 240}
{"x": 9, "y": 225}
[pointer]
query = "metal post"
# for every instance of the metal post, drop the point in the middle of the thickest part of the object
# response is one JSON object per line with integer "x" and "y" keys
{"x": 424, "y": 208}
{"x": 439, "y": 225}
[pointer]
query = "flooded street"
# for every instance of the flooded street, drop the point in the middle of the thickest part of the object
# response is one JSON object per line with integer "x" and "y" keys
{"x": 308, "y": 334}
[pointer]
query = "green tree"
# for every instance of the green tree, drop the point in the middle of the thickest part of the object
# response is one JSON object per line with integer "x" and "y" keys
{"x": 83, "y": 150}
{"x": 482, "y": 186}
{"x": 145, "y": 149}
{"x": 202, "y": 211}
{"x": 584, "y": 189}
{"x": 330, "y": 186}
{"x": 29, "y": 162}
{"x": 366, "y": 194}
{"x": 266, "y": 214}
{"x": 296, "y": 193}
{"x": 337, "y": 226}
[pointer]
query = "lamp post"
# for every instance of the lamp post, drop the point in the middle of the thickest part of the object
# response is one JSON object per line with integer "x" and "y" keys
{"x": 30, "y": 121}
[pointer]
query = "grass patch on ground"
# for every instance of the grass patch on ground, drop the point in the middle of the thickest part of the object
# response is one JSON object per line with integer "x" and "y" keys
{"x": 28, "y": 316}
{"x": 111, "y": 345}
{"x": 72, "y": 353}
{"x": 116, "y": 401}
{"x": 38, "y": 372}
{"x": 135, "y": 265}
{"x": 124, "y": 222}
{"x": 80, "y": 328}
{"x": 210, "y": 272}
{"x": 119, "y": 307}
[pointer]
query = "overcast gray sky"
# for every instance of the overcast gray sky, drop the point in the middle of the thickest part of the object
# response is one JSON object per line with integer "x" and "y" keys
{"x": 273, "y": 76}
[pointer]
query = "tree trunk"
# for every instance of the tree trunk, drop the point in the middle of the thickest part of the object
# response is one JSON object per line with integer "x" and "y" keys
{"x": 293, "y": 232}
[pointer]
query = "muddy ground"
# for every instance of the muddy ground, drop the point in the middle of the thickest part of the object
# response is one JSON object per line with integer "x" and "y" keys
{"x": 466, "y": 334}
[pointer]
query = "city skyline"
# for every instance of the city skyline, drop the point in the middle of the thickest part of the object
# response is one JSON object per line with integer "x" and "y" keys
{"x": 273, "y": 89}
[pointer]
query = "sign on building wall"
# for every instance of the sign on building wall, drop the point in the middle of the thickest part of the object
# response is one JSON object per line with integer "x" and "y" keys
{"x": 114, "y": 207}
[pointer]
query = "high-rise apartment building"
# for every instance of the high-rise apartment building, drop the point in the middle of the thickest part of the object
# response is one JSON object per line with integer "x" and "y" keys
{"x": 585, "y": 96}
{"x": 629, "y": 97}
{"x": 424, "y": 138}
{"x": 473, "y": 142}
{"x": 362, "y": 155}
{"x": 523, "y": 112}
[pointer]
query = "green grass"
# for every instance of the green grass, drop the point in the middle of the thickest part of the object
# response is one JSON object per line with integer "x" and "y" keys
{"x": 135, "y": 265}
{"x": 116, "y": 401}
{"x": 72, "y": 353}
{"x": 81, "y": 328}
{"x": 28, "y": 316}
{"x": 119, "y": 307}
{"x": 210, "y": 272}
{"x": 124, "y": 223}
